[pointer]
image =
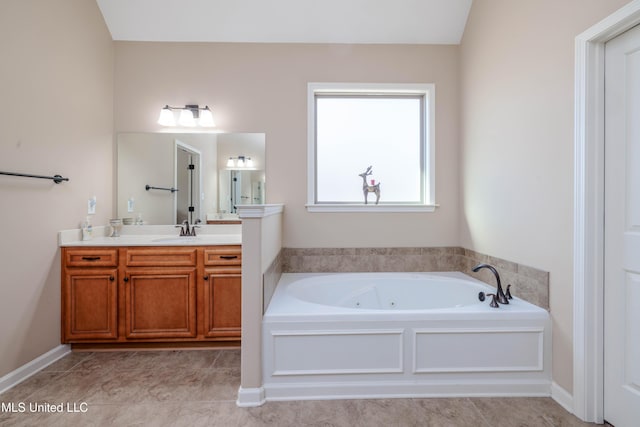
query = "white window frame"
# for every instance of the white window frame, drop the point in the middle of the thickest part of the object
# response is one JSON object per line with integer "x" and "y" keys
{"x": 428, "y": 172}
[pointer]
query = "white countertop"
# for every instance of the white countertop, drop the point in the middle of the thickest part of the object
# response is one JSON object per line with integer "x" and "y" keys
{"x": 154, "y": 235}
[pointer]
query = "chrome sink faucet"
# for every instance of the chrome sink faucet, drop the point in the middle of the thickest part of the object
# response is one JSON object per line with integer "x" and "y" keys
{"x": 188, "y": 230}
{"x": 503, "y": 298}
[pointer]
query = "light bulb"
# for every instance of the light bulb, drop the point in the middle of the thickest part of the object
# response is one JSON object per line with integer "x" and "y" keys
{"x": 240, "y": 162}
{"x": 230, "y": 162}
{"x": 186, "y": 118}
{"x": 206, "y": 118}
{"x": 166, "y": 117}
{"x": 249, "y": 162}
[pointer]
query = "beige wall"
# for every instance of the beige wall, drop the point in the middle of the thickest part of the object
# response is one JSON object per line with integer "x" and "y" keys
{"x": 517, "y": 65}
{"x": 263, "y": 88}
{"x": 56, "y": 81}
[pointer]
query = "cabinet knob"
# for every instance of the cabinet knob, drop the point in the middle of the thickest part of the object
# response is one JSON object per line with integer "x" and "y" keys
{"x": 206, "y": 277}
{"x": 111, "y": 278}
{"x": 126, "y": 279}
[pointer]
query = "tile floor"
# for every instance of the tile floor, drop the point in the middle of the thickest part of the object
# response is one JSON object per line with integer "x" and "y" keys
{"x": 198, "y": 388}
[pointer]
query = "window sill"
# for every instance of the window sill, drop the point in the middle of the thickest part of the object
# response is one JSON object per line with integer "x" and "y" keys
{"x": 370, "y": 208}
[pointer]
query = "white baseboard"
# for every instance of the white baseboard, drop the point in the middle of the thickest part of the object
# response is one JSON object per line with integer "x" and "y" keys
{"x": 16, "y": 376}
{"x": 402, "y": 389}
{"x": 250, "y": 397}
{"x": 562, "y": 396}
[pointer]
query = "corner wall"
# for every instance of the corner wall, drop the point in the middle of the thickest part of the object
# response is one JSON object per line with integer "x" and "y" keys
{"x": 517, "y": 70}
{"x": 56, "y": 117}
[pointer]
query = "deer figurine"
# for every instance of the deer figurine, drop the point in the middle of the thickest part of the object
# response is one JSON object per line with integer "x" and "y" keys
{"x": 366, "y": 188}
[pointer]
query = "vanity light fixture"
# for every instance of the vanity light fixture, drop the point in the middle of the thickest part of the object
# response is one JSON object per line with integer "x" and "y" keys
{"x": 240, "y": 162}
{"x": 190, "y": 116}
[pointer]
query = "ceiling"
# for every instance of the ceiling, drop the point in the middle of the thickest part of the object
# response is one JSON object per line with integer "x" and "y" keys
{"x": 288, "y": 21}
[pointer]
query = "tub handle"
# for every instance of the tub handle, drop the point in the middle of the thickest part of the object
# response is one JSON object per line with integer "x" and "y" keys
{"x": 508, "y": 292}
{"x": 494, "y": 300}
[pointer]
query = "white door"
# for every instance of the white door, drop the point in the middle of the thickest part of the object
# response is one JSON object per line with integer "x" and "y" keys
{"x": 622, "y": 231}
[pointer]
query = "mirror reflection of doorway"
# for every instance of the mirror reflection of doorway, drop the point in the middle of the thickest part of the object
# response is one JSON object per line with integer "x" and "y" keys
{"x": 188, "y": 183}
{"x": 245, "y": 187}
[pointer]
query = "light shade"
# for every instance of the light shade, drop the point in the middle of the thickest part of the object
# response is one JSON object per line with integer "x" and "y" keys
{"x": 206, "y": 118}
{"x": 186, "y": 118}
{"x": 190, "y": 115}
{"x": 166, "y": 117}
{"x": 240, "y": 162}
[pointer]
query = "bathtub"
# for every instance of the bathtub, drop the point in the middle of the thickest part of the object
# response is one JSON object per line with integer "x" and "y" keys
{"x": 381, "y": 335}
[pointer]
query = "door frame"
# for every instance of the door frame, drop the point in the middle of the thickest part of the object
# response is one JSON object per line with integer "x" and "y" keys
{"x": 588, "y": 240}
{"x": 186, "y": 147}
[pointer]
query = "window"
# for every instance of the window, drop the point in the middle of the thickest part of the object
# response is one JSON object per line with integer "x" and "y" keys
{"x": 386, "y": 126}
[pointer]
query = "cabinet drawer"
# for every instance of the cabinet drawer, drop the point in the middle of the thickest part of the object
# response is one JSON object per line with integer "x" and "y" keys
{"x": 91, "y": 257}
{"x": 223, "y": 255}
{"x": 161, "y": 257}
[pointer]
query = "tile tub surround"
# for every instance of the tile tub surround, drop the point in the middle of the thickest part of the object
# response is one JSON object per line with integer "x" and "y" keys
{"x": 270, "y": 279}
{"x": 198, "y": 388}
{"x": 527, "y": 283}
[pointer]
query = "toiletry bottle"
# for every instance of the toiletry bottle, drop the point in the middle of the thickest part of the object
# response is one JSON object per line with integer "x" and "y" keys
{"x": 87, "y": 229}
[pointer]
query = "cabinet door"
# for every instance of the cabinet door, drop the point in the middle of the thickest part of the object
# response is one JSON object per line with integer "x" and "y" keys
{"x": 90, "y": 304}
{"x": 222, "y": 305}
{"x": 160, "y": 303}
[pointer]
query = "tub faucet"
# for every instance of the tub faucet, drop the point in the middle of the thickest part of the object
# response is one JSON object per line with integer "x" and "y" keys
{"x": 502, "y": 298}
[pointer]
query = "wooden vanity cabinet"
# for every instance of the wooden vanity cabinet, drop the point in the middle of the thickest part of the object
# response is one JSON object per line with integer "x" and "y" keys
{"x": 89, "y": 295}
{"x": 160, "y": 293}
{"x": 151, "y": 294}
{"x": 222, "y": 292}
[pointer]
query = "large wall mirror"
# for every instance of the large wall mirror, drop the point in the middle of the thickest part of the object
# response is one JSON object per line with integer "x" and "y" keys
{"x": 166, "y": 178}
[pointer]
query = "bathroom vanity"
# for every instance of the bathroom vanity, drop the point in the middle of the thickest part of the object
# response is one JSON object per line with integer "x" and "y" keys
{"x": 150, "y": 289}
